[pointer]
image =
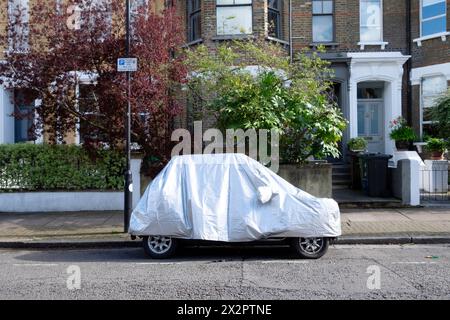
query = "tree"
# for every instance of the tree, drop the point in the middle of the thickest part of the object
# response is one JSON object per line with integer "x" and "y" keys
{"x": 293, "y": 98}
{"x": 69, "y": 66}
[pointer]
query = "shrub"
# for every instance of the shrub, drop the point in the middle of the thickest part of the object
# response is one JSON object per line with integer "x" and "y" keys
{"x": 400, "y": 131}
{"x": 35, "y": 167}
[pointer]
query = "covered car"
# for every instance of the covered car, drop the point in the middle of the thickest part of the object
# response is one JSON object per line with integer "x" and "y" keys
{"x": 230, "y": 198}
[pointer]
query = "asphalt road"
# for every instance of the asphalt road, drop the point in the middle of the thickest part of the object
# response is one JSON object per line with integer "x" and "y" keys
{"x": 407, "y": 272}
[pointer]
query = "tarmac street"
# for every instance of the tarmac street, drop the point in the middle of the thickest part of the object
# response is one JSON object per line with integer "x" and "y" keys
{"x": 269, "y": 272}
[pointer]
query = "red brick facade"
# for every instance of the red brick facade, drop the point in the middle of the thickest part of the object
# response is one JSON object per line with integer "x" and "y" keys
{"x": 400, "y": 25}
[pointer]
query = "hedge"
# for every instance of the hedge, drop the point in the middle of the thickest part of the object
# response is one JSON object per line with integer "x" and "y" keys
{"x": 42, "y": 167}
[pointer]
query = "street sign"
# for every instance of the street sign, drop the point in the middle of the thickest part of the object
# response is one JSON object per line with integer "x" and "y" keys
{"x": 127, "y": 64}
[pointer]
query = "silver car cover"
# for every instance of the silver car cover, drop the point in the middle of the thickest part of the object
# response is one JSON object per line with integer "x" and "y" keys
{"x": 229, "y": 197}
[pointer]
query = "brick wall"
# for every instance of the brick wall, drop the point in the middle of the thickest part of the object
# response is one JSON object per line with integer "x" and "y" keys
{"x": 433, "y": 51}
{"x": 346, "y": 25}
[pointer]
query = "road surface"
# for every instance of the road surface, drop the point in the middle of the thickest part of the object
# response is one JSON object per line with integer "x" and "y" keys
{"x": 356, "y": 272}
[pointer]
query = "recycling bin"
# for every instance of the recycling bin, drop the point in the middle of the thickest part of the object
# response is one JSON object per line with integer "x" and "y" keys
{"x": 375, "y": 174}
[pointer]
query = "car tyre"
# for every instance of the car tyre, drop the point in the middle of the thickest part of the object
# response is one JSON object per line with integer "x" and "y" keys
{"x": 159, "y": 247}
{"x": 310, "y": 248}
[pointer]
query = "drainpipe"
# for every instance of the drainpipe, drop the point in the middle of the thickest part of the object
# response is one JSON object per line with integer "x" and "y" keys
{"x": 291, "y": 50}
{"x": 409, "y": 62}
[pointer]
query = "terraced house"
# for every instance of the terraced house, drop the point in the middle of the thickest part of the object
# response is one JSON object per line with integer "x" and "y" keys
{"x": 390, "y": 57}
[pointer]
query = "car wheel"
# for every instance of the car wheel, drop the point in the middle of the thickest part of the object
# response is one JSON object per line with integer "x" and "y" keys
{"x": 310, "y": 248}
{"x": 159, "y": 247}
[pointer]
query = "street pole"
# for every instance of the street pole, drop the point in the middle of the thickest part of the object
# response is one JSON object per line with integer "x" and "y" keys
{"x": 128, "y": 176}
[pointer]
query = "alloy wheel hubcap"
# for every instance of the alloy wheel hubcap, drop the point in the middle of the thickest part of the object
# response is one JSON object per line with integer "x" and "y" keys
{"x": 311, "y": 245}
{"x": 159, "y": 244}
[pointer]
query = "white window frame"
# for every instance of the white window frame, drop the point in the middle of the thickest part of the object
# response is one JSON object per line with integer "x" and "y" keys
{"x": 333, "y": 22}
{"x": 429, "y": 19}
{"x": 442, "y": 35}
{"x": 381, "y": 43}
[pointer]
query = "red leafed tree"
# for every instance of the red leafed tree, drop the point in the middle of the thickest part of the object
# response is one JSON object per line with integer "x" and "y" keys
{"x": 65, "y": 58}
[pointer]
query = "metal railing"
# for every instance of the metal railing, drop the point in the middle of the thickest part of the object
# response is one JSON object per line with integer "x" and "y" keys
{"x": 435, "y": 181}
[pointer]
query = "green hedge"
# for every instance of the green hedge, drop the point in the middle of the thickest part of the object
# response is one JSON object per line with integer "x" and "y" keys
{"x": 39, "y": 167}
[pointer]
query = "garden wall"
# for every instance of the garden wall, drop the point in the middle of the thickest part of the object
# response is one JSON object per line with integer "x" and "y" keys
{"x": 43, "y": 178}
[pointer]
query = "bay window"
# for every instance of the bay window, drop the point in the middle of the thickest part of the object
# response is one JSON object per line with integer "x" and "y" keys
{"x": 433, "y": 16}
{"x": 234, "y": 17}
{"x": 323, "y": 26}
{"x": 371, "y": 18}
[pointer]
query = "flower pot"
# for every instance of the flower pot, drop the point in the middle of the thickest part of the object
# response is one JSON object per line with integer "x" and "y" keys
{"x": 402, "y": 145}
{"x": 437, "y": 155}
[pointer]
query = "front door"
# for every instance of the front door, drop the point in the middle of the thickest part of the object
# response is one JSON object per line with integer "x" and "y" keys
{"x": 370, "y": 123}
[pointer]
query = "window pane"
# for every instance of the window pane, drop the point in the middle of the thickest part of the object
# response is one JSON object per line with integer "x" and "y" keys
{"x": 369, "y": 34}
{"x": 273, "y": 4}
{"x": 434, "y": 85}
{"x": 433, "y": 8}
{"x": 322, "y": 28}
{"x": 327, "y": 7}
{"x": 222, "y": 2}
{"x": 370, "y": 93}
{"x": 361, "y": 120}
{"x": 429, "y": 130}
{"x": 434, "y": 26}
{"x": 375, "y": 120}
{"x": 194, "y": 5}
{"x": 274, "y": 24}
{"x": 317, "y": 7}
{"x": 195, "y": 27}
{"x": 371, "y": 13}
{"x": 234, "y": 20}
{"x": 23, "y": 124}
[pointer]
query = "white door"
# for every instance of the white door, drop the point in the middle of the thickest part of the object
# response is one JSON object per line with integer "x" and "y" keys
{"x": 370, "y": 123}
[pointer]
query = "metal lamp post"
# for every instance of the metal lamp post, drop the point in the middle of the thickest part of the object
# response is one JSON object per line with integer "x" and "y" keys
{"x": 128, "y": 192}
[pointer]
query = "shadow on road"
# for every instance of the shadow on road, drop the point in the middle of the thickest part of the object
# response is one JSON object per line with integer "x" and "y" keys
{"x": 136, "y": 255}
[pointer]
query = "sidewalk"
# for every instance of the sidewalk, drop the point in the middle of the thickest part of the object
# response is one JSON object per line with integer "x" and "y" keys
{"x": 409, "y": 225}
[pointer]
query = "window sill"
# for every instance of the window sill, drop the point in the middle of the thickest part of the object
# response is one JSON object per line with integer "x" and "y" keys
{"x": 232, "y": 37}
{"x": 382, "y": 44}
{"x": 278, "y": 40}
{"x": 193, "y": 43}
{"x": 442, "y": 35}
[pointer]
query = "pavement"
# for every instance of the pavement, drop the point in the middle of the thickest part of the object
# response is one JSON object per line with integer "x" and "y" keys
{"x": 345, "y": 272}
{"x": 85, "y": 229}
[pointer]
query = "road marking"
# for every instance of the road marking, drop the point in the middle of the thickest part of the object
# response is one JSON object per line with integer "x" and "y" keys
{"x": 286, "y": 261}
{"x": 35, "y": 264}
{"x": 414, "y": 262}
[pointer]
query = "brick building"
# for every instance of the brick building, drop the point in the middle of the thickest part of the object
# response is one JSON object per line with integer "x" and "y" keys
{"x": 390, "y": 57}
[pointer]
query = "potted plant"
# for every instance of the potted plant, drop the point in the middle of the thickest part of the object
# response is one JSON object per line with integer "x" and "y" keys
{"x": 402, "y": 134}
{"x": 357, "y": 144}
{"x": 436, "y": 147}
